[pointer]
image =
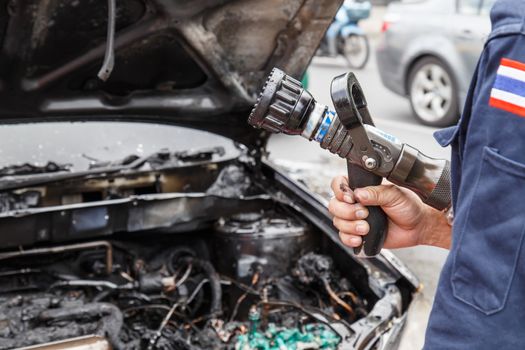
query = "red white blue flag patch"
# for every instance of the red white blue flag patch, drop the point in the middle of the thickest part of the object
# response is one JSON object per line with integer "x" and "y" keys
{"x": 508, "y": 92}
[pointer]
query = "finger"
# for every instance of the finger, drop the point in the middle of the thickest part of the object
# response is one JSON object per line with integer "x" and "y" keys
{"x": 341, "y": 189}
{"x": 347, "y": 211}
{"x": 383, "y": 195}
{"x": 358, "y": 227}
{"x": 350, "y": 240}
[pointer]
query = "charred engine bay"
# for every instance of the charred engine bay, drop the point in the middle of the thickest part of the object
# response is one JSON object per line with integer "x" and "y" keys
{"x": 212, "y": 256}
{"x": 255, "y": 281}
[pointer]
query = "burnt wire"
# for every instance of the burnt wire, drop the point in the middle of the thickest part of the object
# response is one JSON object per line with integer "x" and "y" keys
{"x": 196, "y": 291}
{"x": 214, "y": 280}
{"x": 336, "y": 298}
{"x": 184, "y": 277}
{"x": 146, "y": 307}
{"x": 158, "y": 333}
{"x": 240, "y": 285}
{"x": 255, "y": 279}
{"x": 109, "y": 55}
{"x": 322, "y": 319}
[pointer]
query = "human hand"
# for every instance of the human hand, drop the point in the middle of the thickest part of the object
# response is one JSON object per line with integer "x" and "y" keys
{"x": 410, "y": 221}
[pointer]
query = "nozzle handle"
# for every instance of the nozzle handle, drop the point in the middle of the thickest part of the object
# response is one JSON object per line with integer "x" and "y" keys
{"x": 377, "y": 219}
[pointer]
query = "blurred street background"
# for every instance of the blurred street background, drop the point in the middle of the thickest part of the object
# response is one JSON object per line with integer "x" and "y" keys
{"x": 392, "y": 113}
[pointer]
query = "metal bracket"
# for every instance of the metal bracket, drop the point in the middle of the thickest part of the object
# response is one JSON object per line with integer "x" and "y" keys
{"x": 351, "y": 108}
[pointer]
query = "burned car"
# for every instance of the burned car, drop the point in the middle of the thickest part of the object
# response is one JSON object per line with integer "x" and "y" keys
{"x": 137, "y": 209}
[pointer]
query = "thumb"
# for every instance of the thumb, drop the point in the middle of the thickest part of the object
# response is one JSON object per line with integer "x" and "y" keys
{"x": 382, "y": 195}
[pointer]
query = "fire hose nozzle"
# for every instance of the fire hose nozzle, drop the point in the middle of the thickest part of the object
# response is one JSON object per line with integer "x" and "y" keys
{"x": 285, "y": 106}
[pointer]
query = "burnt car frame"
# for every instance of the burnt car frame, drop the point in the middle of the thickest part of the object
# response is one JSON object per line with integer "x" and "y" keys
{"x": 208, "y": 247}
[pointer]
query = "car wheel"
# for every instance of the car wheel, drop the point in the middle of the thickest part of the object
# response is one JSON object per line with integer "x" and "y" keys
{"x": 433, "y": 93}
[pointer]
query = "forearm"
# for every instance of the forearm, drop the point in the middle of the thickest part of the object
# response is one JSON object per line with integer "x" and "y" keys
{"x": 437, "y": 232}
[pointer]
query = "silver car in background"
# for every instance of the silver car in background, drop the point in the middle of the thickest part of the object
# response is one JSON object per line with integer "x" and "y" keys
{"x": 428, "y": 52}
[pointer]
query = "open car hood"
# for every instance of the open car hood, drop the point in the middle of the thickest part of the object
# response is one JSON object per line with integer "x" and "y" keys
{"x": 195, "y": 63}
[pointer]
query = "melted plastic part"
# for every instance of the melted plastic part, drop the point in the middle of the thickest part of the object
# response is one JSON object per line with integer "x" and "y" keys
{"x": 313, "y": 336}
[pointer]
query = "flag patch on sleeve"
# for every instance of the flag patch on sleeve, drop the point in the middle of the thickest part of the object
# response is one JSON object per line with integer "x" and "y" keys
{"x": 508, "y": 92}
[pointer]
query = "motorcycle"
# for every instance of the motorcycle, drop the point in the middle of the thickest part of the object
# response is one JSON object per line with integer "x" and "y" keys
{"x": 344, "y": 37}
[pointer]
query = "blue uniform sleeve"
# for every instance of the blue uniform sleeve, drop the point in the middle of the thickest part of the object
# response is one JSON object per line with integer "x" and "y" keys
{"x": 482, "y": 286}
